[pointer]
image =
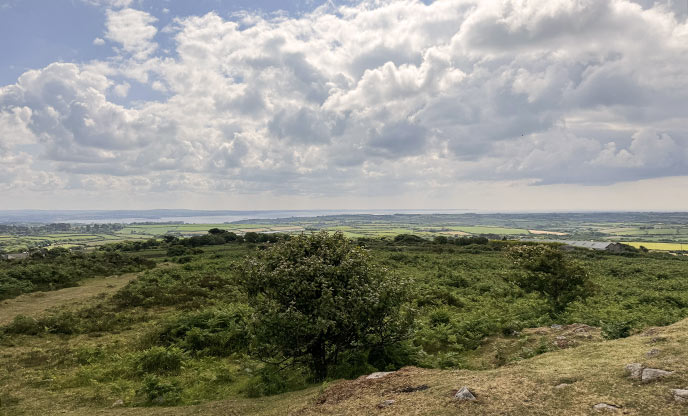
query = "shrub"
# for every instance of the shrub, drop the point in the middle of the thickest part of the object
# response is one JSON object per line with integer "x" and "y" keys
{"x": 270, "y": 380}
{"x": 161, "y": 360}
{"x": 616, "y": 329}
{"x": 160, "y": 392}
{"x": 216, "y": 332}
{"x": 25, "y": 325}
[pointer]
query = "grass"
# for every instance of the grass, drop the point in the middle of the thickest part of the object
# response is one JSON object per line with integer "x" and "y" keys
{"x": 593, "y": 372}
{"x": 37, "y": 303}
{"x": 84, "y": 373}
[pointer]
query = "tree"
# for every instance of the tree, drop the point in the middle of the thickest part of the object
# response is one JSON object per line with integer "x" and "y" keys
{"x": 318, "y": 296}
{"x": 550, "y": 272}
{"x": 251, "y": 237}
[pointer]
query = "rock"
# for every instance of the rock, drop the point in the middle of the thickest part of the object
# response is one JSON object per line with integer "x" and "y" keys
{"x": 582, "y": 328}
{"x": 563, "y": 342}
{"x": 386, "y": 403}
{"x": 562, "y": 385}
{"x": 680, "y": 395}
{"x": 556, "y": 326}
{"x": 605, "y": 407}
{"x": 464, "y": 394}
{"x": 650, "y": 374}
{"x": 653, "y": 352}
{"x": 118, "y": 403}
{"x": 635, "y": 370}
{"x": 378, "y": 374}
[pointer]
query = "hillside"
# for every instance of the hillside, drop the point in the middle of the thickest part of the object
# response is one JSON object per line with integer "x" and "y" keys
{"x": 564, "y": 382}
{"x": 179, "y": 338}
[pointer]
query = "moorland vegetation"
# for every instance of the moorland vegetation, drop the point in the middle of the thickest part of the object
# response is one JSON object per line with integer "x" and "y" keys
{"x": 225, "y": 315}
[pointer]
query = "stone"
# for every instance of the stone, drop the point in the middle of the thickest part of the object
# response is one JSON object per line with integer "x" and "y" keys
{"x": 653, "y": 352}
{"x": 378, "y": 374}
{"x": 556, "y": 326}
{"x": 680, "y": 395}
{"x": 562, "y": 386}
{"x": 386, "y": 403}
{"x": 118, "y": 403}
{"x": 582, "y": 328}
{"x": 606, "y": 407}
{"x": 464, "y": 394}
{"x": 650, "y": 374}
{"x": 635, "y": 370}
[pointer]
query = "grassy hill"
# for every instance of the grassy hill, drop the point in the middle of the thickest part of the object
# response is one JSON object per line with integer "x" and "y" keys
{"x": 173, "y": 340}
{"x": 569, "y": 381}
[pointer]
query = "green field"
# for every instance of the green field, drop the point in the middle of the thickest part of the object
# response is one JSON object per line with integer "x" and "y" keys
{"x": 660, "y": 231}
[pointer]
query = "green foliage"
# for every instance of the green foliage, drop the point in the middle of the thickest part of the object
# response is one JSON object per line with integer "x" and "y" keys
{"x": 157, "y": 391}
{"x": 215, "y": 332}
{"x": 58, "y": 268}
{"x": 201, "y": 315}
{"x": 25, "y": 325}
{"x": 548, "y": 271}
{"x": 616, "y": 329}
{"x": 317, "y": 296}
{"x": 166, "y": 287}
{"x": 160, "y": 360}
{"x": 272, "y": 380}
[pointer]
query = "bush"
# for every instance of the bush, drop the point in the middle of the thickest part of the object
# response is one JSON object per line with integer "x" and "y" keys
{"x": 616, "y": 329}
{"x": 216, "y": 332}
{"x": 270, "y": 380}
{"x": 160, "y": 360}
{"x": 59, "y": 268}
{"x": 159, "y": 392}
{"x": 167, "y": 287}
{"x": 24, "y": 325}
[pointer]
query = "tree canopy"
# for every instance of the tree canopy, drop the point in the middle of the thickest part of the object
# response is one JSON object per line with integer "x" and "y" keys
{"x": 318, "y": 296}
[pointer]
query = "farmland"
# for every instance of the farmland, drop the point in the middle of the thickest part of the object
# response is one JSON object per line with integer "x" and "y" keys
{"x": 655, "y": 231}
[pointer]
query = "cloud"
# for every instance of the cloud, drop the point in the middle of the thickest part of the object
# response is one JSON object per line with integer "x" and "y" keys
{"x": 373, "y": 98}
{"x": 134, "y": 30}
{"x": 109, "y": 3}
{"x": 121, "y": 90}
{"x": 98, "y": 42}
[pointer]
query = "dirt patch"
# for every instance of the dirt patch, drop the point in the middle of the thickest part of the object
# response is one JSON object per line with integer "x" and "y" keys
{"x": 36, "y": 303}
{"x": 391, "y": 383}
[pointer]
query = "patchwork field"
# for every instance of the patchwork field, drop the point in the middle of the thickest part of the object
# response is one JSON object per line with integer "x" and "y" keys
{"x": 660, "y": 231}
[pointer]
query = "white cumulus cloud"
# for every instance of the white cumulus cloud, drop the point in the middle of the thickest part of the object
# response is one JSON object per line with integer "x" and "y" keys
{"x": 374, "y": 98}
{"x": 133, "y": 30}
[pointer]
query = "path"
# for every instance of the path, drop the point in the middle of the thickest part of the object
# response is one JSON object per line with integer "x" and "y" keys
{"x": 36, "y": 303}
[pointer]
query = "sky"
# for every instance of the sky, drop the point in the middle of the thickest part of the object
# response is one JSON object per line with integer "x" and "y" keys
{"x": 498, "y": 105}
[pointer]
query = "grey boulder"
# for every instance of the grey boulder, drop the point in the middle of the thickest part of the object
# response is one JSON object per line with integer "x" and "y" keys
{"x": 650, "y": 374}
{"x": 464, "y": 394}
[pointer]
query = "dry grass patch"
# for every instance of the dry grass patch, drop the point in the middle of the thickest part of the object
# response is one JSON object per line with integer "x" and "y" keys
{"x": 37, "y": 303}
